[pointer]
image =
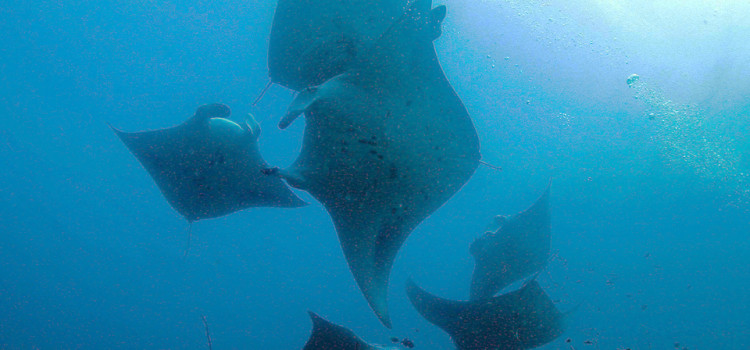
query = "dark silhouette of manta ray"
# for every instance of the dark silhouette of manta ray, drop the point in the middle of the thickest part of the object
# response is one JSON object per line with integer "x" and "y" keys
{"x": 518, "y": 249}
{"x": 386, "y": 143}
{"x": 518, "y": 320}
{"x": 328, "y": 336}
{"x": 209, "y": 166}
{"x": 312, "y": 41}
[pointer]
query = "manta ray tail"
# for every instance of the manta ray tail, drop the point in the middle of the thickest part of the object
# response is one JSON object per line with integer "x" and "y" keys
{"x": 490, "y": 165}
{"x": 208, "y": 334}
{"x": 190, "y": 235}
{"x": 263, "y": 92}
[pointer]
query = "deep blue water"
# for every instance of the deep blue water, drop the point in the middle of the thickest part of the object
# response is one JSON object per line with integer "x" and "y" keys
{"x": 651, "y": 216}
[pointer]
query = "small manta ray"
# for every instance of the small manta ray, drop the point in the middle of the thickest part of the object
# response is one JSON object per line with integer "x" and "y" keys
{"x": 386, "y": 143}
{"x": 328, "y": 336}
{"x": 209, "y": 166}
{"x": 313, "y": 41}
{"x": 518, "y": 320}
{"x": 517, "y": 249}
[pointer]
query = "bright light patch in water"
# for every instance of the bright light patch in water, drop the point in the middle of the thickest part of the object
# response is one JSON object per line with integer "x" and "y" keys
{"x": 686, "y": 140}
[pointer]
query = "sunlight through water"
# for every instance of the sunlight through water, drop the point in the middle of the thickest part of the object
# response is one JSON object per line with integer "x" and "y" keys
{"x": 687, "y": 140}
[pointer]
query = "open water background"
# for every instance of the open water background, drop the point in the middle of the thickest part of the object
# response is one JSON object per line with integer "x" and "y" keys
{"x": 650, "y": 182}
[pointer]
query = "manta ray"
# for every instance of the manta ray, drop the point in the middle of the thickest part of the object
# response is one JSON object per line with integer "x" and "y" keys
{"x": 518, "y": 249}
{"x": 386, "y": 143}
{"x": 313, "y": 41}
{"x": 209, "y": 166}
{"x": 328, "y": 336}
{"x": 518, "y": 320}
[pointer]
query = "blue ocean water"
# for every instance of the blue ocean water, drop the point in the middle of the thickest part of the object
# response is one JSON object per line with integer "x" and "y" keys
{"x": 650, "y": 180}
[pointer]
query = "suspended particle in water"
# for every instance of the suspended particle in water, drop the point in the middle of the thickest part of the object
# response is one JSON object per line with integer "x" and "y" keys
{"x": 632, "y": 79}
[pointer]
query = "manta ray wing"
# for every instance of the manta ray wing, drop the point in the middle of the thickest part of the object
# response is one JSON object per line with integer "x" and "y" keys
{"x": 326, "y": 336}
{"x": 518, "y": 320}
{"x": 518, "y": 249}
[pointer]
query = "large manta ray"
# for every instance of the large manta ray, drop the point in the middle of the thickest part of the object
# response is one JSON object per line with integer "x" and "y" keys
{"x": 209, "y": 166}
{"x": 386, "y": 144}
{"x": 312, "y": 41}
{"x": 519, "y": 320}
{"x": 328, "y": 336}
{"x": 518, "y": 249}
